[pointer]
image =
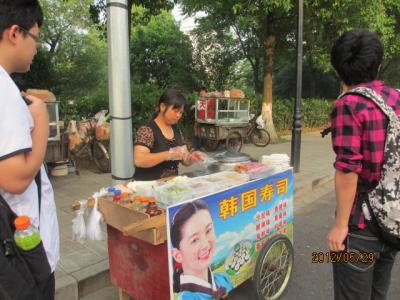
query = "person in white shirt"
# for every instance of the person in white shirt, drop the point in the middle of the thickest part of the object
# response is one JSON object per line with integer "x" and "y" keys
{"x": 24, "y": 129}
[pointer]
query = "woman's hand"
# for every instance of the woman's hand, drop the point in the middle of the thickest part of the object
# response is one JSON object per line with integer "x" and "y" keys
{"x": 177, "y": 153}
{"x": 193, "y": 157}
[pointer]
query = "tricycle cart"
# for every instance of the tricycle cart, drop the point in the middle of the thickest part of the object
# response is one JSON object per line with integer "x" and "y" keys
{"x": 226, "y": 119}
{"x": 253, "y": 225}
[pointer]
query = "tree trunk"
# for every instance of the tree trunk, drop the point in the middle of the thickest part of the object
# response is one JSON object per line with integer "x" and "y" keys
{"x": 267, "y": 91}
{"x": 257, "y": 82}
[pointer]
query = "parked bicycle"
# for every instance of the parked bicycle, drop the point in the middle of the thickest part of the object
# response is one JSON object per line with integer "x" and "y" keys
{"x": 83, "y": 140}
{"x": 257, "y": 135}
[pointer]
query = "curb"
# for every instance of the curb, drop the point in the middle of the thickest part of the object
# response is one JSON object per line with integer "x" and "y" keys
{"x": 83, "y": 282}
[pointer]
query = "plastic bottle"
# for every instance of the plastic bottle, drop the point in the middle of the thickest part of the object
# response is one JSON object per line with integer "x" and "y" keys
{"x": 110, "y": 192}
{"x": 117, "y": 196}
{"x": 26, "y": 235}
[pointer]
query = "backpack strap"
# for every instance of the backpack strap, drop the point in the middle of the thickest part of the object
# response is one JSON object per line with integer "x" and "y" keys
{"x": 38, "y": 180}
{"x": 376, "y": 98}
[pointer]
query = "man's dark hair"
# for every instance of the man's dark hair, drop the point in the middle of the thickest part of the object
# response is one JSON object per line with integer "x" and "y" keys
{"x": 356, "y": 56}
{"x": 24, "y": 13}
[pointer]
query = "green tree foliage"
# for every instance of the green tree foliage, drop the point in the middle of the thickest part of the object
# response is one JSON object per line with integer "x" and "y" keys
{"x": 161, "y": 54}
{"x": 216, "y": 54}
{"x": 153, "y": 7}
{"x": 72, "y": 62}
{"x": 326, "y": 20}
{"x": 261, "y": 28}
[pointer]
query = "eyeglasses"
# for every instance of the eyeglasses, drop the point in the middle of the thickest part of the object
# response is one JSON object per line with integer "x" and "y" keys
{"x": 36, "y": 38}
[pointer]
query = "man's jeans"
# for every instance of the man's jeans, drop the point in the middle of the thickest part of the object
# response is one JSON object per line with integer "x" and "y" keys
{"x": 364, "y": 280}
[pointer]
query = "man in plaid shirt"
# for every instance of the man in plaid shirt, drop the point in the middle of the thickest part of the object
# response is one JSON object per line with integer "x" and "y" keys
{"x": 358, "y": 138}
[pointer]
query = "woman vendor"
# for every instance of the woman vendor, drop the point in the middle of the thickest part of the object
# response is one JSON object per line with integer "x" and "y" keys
{"x": 159, "y": 145}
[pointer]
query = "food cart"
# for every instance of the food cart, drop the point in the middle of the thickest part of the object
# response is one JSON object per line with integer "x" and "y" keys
{"x": 253, "y": 227}
{"x": 221, "y": 118}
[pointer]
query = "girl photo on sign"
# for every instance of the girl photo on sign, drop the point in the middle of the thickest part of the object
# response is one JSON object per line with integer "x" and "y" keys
{"x": 193, "y": 241}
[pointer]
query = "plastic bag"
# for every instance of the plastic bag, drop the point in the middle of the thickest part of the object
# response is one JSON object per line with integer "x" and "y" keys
{"x": 78, "y": 224}
{"x": 74, "y": 138}
{"x": 260, "y": 122}
{"x": 93, "y": 228}
{"x": 101, "y": 117}
{"x": 102, "y": 127}
{"x": 103, "y": 131}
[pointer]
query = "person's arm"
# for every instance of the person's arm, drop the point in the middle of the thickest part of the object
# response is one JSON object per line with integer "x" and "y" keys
{"x": 18, "y": 171}
{"x": 346, "y": 141}
{"x": 144, "y": 159}
{"x": 345, "y": 186}
{"x": 144, "y": 142}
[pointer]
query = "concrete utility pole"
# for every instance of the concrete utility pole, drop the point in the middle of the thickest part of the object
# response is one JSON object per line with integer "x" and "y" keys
{"x": 119, "y": 87}
{"x": 296, "y": 131}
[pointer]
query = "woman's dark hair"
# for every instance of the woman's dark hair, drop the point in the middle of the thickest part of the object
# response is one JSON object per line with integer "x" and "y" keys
{"x": 24, "y": 13}
{"x": 356, "y": 56}
{"x": 171, "y": 97}
{"x": 180, "y": 218}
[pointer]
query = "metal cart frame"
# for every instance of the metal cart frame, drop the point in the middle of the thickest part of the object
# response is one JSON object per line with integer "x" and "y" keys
{"x": 215, "y": 122}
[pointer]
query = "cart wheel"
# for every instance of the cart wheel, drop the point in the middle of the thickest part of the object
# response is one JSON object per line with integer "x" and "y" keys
{"x": 101, "y": 157}
{"x": 273, "y": 268}
{"x": 210, "y": 145}
{"x": 234, "y": 141}
{"x": 260, "y": 137}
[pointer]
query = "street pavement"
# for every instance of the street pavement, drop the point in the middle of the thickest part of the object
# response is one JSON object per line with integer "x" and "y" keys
{"x": 83, "y": 268}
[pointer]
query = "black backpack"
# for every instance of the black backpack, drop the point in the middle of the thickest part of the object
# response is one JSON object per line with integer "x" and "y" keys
{"x": 23, "y": 274}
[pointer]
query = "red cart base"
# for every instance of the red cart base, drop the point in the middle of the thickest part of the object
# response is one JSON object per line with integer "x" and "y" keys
{"x": 139, "y": 268}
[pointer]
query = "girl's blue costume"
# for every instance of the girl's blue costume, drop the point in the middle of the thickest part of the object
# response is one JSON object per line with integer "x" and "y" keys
{"x": 193, "y": 288}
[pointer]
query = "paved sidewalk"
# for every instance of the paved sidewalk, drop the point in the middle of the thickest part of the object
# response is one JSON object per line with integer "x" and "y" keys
{"x": 83, "y": 269}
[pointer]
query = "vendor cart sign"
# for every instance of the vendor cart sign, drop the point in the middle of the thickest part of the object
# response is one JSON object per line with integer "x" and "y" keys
{"x": 214, "y": 241}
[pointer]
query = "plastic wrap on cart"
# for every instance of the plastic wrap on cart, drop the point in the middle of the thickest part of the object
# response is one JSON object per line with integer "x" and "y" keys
{"x": 225, "y": 240}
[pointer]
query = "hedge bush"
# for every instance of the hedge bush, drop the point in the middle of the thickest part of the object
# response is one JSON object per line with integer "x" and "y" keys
{"x": 315, "y": 112}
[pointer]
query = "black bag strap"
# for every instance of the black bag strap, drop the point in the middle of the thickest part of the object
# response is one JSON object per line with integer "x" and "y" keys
{"x": 38, "y": 180}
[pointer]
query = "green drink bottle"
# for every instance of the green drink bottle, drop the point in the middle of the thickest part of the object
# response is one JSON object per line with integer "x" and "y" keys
{"x": 26, "y": 236}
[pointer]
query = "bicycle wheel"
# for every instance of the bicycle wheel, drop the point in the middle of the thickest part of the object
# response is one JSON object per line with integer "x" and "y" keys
{"x": 273, "y": 268}
{"x": 101, "y": 157}
{"x": 260, "y": 137}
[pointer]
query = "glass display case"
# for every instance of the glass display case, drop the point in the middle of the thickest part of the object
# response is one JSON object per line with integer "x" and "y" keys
{"x": 54, "y": 128}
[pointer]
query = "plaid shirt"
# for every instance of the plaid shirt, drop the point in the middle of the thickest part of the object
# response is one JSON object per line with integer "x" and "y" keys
{"x": 358, "y": 135}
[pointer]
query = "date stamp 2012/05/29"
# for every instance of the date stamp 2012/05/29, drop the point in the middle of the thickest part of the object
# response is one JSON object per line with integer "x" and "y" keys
{"x": 342, "y": 257}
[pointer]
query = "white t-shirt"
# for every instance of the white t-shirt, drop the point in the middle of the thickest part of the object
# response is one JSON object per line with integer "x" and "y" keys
{"x": 16, "y": 124}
